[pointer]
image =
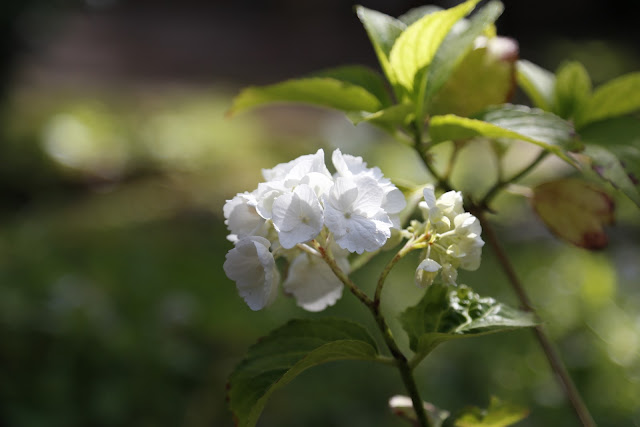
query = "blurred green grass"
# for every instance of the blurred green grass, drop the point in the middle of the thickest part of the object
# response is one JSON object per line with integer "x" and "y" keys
{"x": 114, "y": 309}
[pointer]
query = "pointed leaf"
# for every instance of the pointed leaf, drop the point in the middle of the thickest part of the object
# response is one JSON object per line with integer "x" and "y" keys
{"x": 455, "y": 46}
{"x": 278, "y": 358}
{"x": 615, "y": 98}
{"x": 417, "y": 45}
{"x": 383, "y": 30}
{"x": 320, "y": 91}
{"x": 613, "y": 145}
{"x": 418, "y": 13}
{"x": 361, "y": 76}
{"x": 511, "y": 122}
{"x": 451, "y": 312}
{"x": 537, "y": 83}
{"x": 499, "y": 414}
{"x": 572, "y": 90}
{"x": 391, "y": 117}
{"x": 486, "y": 77}
{"x": 575, "y": 211}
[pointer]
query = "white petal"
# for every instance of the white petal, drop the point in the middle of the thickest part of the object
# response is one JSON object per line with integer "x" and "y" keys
{"x": 242, "y": 219}
{"x": 363, "y": 234}
{"x": 297, "y": 216}
{"x": 370, "y": 196}
{"x": 253, "y": 268}
{"x": 313, "y": 284}
{"x": 426, "y": 272}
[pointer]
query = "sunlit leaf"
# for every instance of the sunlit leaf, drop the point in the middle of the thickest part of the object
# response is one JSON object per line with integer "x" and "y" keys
{"x": 383, "y": 30}
{"x": 508, "y": 121}
{"x": 320, "y": 91}
{"x": 613, "y": 146}
{"x": 278, "y": 358}
{"x": 483, "y": 79}
{"x": 451, "y": 312}
{"x": 402, "y": 406}
{"x": 572, "y": 89}
{"x": 455, "y": 46}
{"x": 361, "y": 76}
{"x": 418, "y": 13}
{"x": 575, "y": 210}
{"x": 615, "y": 98}
{"x": 396, "y": 115}
{"x": 537, "y": 83}
{"x": 498, "y": 414}
{"x": 415, "y": 48}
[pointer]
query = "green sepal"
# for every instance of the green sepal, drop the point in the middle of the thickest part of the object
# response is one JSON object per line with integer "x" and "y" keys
{"x": 278, "y": 358}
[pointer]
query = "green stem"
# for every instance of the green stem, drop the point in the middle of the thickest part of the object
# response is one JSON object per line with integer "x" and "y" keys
{"x": 562, "y": 374}
{"x": 503, "y": 183}
{"x": 374, "y": 307}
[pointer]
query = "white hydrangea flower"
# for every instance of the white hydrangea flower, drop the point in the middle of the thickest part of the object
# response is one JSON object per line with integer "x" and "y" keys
{"x": 297, "y": 216}
{"x": 354, "y": 214}
{"x": 427, "y": 272}
{"x": 312, "y": 282}
{"x": 349, "y": 166}
{"x": 253, "y": 268}
{"x": 292, "y": 172}
{"x": 242, "y": 219}
{"x": 456, "y": 240}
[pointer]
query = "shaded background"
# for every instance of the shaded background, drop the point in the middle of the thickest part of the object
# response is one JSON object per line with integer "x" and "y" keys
{"x": 116, "y": 159}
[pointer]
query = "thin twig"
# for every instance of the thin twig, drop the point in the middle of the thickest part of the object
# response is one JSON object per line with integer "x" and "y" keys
{"x": 552, "y": 355}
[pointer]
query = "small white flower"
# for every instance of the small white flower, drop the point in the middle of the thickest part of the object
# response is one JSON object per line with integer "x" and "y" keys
{"x": 351, "y": 166}
{"x": 312, "y": 282}
{"x": 297, "y": 216}
{"x": 427, "y": 272}
{"x": 242, "y": 219}
{"x": 253, "y": 268}
{"x": 354, "y": 214}
{"x": 292, "y": 172}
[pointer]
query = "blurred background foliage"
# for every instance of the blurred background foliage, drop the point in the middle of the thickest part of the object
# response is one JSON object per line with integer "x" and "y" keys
{"x": 116, "y": 159}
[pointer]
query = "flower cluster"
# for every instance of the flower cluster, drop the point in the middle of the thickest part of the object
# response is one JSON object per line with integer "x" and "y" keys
{"x": 454, "y": 238}
{"x": 352, "y": 210}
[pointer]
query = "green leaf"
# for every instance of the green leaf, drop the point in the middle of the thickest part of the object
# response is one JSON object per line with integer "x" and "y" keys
{"x": 613, "y": 146}
{"x": 320, "y": 91}
{"x": 418, "y": 13}
{"x": 451, "y": 312}
{"x": 575, "y": 211}
{"x": 391, "y": 117}
{"x": 361, "y": 76}
{"x": 383, "y": 30}
{"x": 499, "y": 414}
{"x": 456, "y": 46}
{"x": 615, "y": 98}
{"x": 572, "y": 90}
{"x": 484, "y": 78}
{"x": 537, "y": 83}
{"x": 511, "y": 122}
{"x": 278, "y": 358}
{"x": 415, "y": 48}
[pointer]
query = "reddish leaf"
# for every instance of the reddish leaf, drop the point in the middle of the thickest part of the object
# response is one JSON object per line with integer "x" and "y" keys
{"x": 575, "y": 211}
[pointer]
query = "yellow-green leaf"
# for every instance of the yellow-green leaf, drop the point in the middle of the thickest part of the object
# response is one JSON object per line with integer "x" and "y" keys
{"x": 499, "y": 414}
{"x": 572, "y": 90}
{"x": 321, "y": 91}
{"x": 415, "y": 48}
{"x": 615, "y": 98}
{"x": 537, "y": 83}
